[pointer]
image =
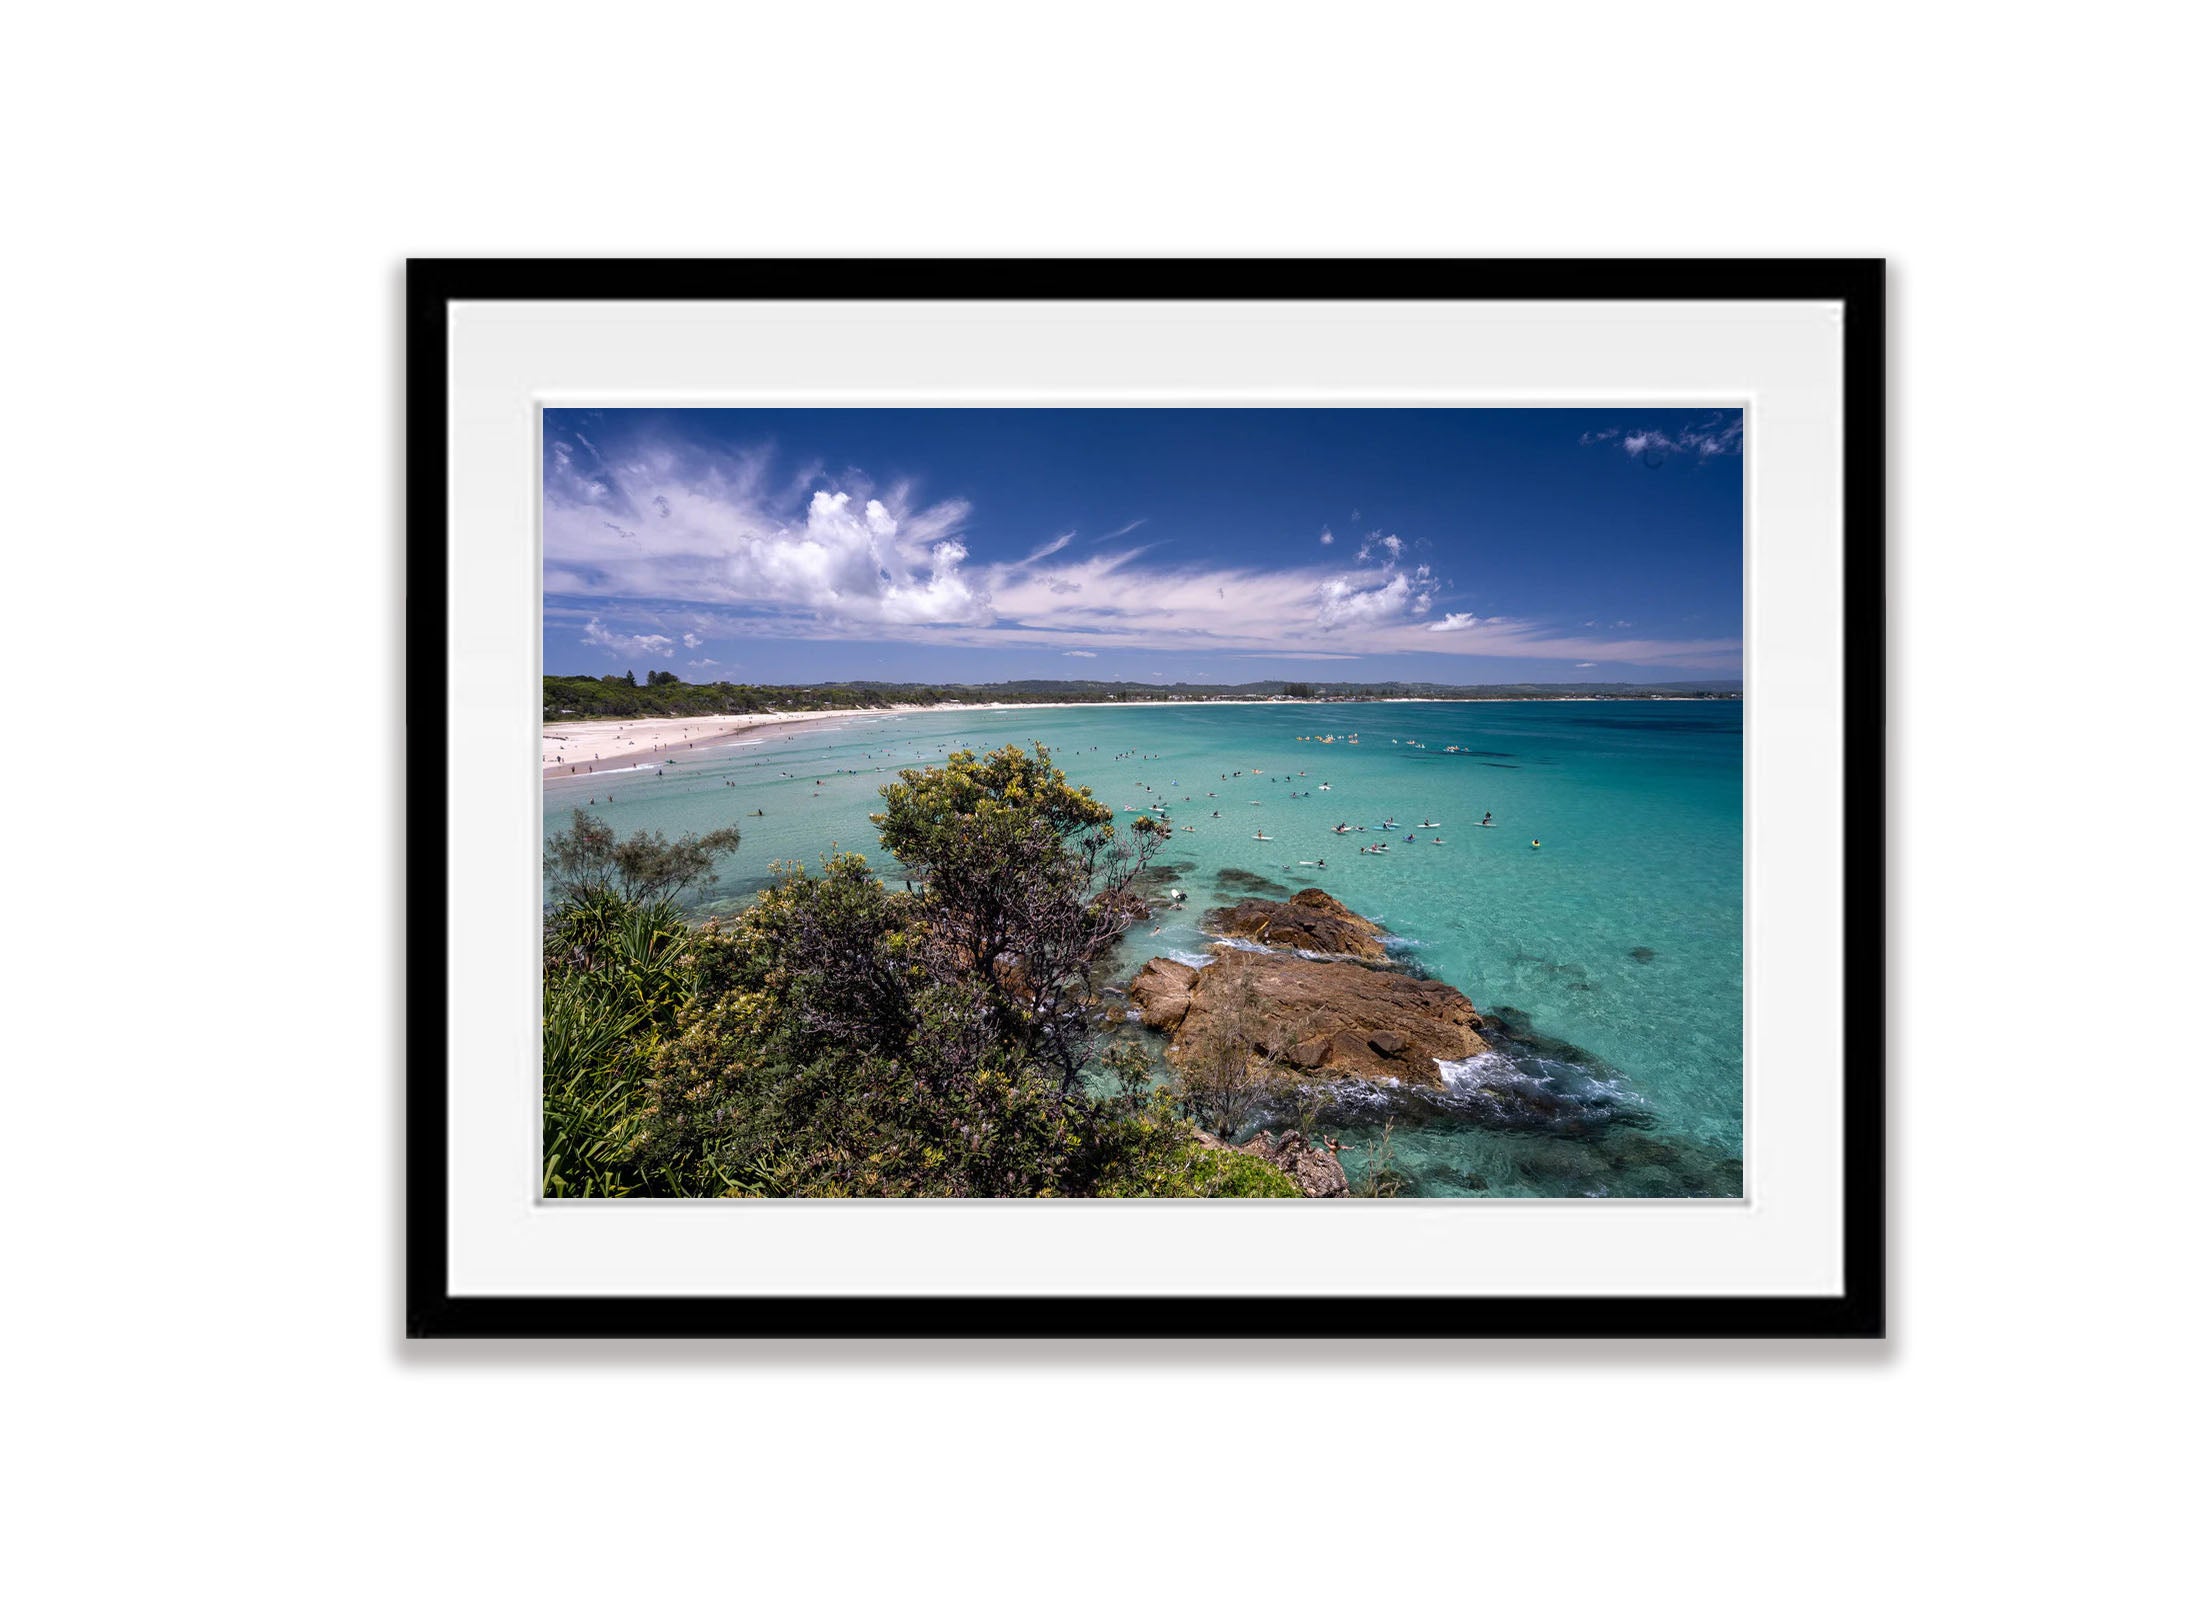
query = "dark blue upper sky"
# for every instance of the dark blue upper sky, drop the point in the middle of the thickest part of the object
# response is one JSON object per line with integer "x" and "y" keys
{"x": 1453, "y": 545}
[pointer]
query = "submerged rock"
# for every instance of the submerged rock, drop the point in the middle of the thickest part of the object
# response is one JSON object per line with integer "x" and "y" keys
{"x": 1238, "y": 881}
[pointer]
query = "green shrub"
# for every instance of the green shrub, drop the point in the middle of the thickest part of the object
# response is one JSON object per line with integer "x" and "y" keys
{"x": 839, "y": 1038}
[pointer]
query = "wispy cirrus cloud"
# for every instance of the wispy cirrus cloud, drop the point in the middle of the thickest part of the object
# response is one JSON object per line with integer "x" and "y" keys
{"x": 1716, "y": 433}
{"x": 1052, "y": 547}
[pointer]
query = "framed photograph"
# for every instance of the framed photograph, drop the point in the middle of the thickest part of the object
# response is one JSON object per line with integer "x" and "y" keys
{"x": 1145, "y": 798}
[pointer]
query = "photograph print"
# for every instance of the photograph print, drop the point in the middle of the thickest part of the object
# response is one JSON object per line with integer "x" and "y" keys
{"x": 1142, "y": 803}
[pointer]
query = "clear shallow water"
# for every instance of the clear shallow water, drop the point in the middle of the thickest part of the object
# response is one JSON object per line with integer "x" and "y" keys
{"x": 1613, "y": 953}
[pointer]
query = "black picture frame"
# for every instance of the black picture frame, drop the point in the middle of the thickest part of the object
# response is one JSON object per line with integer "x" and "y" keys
{"x": 432, "y": 1311}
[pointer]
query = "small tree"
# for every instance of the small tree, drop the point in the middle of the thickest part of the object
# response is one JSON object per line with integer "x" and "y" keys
{"x": 646, "y": 867}
{"x": 1214, "y": 1068}
{"x": 1025, "y": 885}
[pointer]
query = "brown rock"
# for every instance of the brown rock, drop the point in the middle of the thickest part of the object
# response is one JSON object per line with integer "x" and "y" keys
{"x": 1356, "y": 1017}
{"x": 1309, "y": 920}
{"x": 1309, "y": 1164}
{"x": 1306, "y": 1162}
{"x": 1323, "y": 1018}
{"x": 1124, "y": 903}
{"x": 1162, "y": 991}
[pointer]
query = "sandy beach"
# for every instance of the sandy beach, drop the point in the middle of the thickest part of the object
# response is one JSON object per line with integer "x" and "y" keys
{"x": 576, "y": 749}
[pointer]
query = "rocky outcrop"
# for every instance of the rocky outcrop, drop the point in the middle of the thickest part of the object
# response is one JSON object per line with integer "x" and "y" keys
{"x": 1310, "y": 1164}
{"x": 1354, "y": 1017}
{"x": 1309, "y": 920}
{"x": 1324, "y": 1019}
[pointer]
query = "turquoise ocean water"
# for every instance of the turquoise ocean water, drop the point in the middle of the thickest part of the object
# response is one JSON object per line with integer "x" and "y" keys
{"x": 1612, "y": 954}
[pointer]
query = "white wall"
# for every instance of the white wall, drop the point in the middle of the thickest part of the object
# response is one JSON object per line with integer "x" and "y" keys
{"x": 208, "y": 207}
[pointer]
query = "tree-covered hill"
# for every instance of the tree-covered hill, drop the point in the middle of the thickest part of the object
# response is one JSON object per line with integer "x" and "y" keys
{"x": 661, "y": 694}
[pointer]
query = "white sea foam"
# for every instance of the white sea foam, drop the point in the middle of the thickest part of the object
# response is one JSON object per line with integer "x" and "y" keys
{"x": 1490, "y": 1069}
{"x": 1460, "y": 1076}
{"x": 1190, "y": 960}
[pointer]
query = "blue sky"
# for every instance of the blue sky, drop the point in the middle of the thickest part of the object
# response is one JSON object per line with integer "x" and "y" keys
{"x": 1446, "y": 545}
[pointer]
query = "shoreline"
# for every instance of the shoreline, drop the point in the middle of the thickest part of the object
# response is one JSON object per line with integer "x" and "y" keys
{"x": 602, "y": 743}
{"x": 605, "y": 742}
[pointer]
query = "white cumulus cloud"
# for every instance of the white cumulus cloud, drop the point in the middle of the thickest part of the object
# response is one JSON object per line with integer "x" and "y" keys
{"x": 625, "y": 644}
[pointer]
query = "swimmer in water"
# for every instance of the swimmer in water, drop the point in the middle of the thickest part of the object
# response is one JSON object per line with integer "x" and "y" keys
{"x": 1535, "y": 844}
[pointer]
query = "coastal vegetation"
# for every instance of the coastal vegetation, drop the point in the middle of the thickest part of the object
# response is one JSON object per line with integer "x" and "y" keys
{"x": 661, "y": 694}
{"x": 844, "y": 1037}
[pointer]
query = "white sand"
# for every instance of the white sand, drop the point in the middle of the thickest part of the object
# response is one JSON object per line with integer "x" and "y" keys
{"x": 575, "y": 749}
